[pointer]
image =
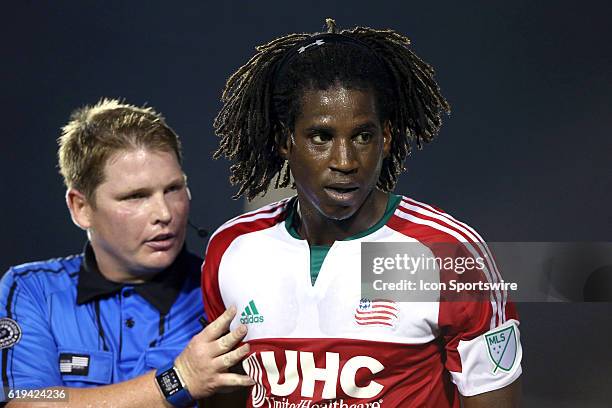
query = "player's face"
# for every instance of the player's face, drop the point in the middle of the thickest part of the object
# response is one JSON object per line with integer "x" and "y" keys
{"x": 337, "y": 150}
{"x": 137, "y": 226}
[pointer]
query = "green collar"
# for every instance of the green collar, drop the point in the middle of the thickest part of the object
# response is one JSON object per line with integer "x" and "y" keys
{"x": 392, "y": 204}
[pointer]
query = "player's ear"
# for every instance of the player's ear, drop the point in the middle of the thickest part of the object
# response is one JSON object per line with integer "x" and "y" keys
{"x": 80, "y": 208}
{"x": 286, "y": 141}
{"x": 387, "y": 137}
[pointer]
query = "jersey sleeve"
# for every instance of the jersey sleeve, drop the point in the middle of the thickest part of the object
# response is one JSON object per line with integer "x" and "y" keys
{"x": 221, "y": 240}
{"x": 29, "y": 352}
{"x": 213, "y": 301}
{"x": 481, "y": 330}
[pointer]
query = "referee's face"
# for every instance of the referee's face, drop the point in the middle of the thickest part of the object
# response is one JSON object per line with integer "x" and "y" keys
{"x": 137, "y": 225}
{"x": 336, "y": 151}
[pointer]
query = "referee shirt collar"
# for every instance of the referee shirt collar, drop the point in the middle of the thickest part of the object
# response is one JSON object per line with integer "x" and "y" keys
{"x": 161, "y": 291}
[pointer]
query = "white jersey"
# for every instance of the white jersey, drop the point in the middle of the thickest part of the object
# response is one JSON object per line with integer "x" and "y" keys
{"x": 316, "y": 346}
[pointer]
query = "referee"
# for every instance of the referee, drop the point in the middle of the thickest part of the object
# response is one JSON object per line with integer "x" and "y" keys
{"x": 119, "y": 323}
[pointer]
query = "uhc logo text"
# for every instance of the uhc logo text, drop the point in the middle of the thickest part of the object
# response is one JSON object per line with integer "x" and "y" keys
{"x": 329, "y": 375}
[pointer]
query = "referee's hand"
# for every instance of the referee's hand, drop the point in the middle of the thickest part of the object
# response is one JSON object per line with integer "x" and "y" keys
{"x": 205, "y": 362}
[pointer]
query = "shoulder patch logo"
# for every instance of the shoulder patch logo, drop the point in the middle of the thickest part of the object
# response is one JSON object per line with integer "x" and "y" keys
{"x": 501, "y": 347}
{"x": 10, "y": 332}
{"x": 250, "y": 314}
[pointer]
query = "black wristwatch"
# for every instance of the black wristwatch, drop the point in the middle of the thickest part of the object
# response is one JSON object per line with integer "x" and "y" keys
{"x": 172, "y": 386}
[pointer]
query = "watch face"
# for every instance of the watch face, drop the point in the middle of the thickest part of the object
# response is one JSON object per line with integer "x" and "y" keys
{"x": 169, "y": 382}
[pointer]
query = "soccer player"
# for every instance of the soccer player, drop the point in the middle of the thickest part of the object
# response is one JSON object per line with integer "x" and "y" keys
{"x": 340, "y": 112}
{"x": 113, "y": 326}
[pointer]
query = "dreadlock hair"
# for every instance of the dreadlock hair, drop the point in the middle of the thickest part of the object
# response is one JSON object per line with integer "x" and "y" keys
{"x": 262, "y": 99}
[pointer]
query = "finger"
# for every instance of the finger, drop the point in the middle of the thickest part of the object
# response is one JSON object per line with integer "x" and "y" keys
{"x": 225, "y": 361}
{"x": 229, "y": 341}
{"x": 220, "y": 325}
{"x": 230, "y": 380}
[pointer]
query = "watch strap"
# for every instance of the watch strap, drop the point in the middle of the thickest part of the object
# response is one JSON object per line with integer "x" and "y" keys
{"x": 178, "y": 397}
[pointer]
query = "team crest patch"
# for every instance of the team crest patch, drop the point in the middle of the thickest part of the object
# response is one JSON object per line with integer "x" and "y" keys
{"x": 501, "y": 347}
{"x": 10, "y": 332}
{"x": 376, "y": 312}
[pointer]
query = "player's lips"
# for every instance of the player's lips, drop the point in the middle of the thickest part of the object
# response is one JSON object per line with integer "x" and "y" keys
{"x": 161, "y": 242}
{"x": 341, "y": 191}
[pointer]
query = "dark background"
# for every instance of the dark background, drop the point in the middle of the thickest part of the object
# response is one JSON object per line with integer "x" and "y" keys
{"x": 525, "y": 155}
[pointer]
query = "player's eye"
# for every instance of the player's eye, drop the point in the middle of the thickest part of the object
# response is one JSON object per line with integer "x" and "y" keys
{"x": 363, "y": 138}
{"x": 320, "y": 138}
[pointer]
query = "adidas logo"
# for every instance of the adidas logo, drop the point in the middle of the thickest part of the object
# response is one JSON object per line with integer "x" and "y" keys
{"x": 251, "y": 314}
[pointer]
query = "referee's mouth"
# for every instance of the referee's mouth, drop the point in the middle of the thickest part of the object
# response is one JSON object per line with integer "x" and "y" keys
{"x": 162, "y": 242}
